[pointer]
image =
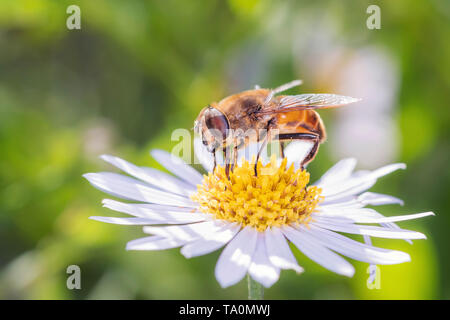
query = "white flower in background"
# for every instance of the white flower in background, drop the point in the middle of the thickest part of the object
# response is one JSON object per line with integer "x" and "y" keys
{"x": 255, "y": 217}
{"x": 369, "y": 131}
{"x": 371, "y": 127}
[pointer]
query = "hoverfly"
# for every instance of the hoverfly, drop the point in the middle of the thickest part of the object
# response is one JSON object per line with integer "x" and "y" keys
{"x": 251, "y": 116}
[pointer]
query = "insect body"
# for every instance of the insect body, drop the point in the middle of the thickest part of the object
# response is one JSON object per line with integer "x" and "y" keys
{"x": 260, "y": 115}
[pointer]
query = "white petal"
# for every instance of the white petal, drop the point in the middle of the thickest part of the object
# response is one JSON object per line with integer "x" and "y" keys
{"x": 318, "y": 253}
{"x": 129, "y": 188}
{"x": 163, "y": 214}
{"x": 278, "y": 250}
{"x": 261, "y": 269}
{"x": 296, "y": 151}
{"x": 375, "y": 219}
{"x": 392, "y": 225}
{"x": 169, "y": 180}
{"x": 367, "y": 198}
{"x": 235, "y": 259}
{"x": 339, "y": 172}
{"x": 358, "y": 182}
{"x": 377, "y": 199}
{"x": 178, "y": 167}
{"x": 188, "y": 232}
{"x": 154, "y": 243}
{"x": 354, "y": 249}
{"x": 125, "y": 221}
{"x": 349, "y": 219}
{"x": 331, "y": 213}
{"x": 145, "y": 209}
{"x": 152, "y": 176}
{"x": 344, "y": 212}
{"x": 372, "y": 231}
{"x": 387, "y": 170}
{"x": 344, "y": 202}
{"x": 344, "y": 190}
{"x": 205, "y": 157}
{"x": 211, "y": 242}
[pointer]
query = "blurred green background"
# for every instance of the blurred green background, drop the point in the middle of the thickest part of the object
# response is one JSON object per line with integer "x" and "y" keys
{"x": 137, "y": 70}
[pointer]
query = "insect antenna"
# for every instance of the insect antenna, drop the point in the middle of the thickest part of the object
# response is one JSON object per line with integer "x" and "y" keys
{"x": 282, "y": 88}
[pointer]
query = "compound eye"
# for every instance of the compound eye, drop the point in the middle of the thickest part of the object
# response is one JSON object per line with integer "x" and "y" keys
{"x": 217, "y": 123}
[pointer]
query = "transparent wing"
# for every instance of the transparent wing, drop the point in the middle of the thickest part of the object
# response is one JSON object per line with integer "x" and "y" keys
{"x": 312, "y": 101}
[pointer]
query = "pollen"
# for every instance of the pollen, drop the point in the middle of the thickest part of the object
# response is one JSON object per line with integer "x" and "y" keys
{"x": 276, "y": 196}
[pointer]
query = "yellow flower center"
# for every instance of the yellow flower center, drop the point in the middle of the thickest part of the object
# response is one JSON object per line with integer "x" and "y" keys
{"x": 276, "y": 196}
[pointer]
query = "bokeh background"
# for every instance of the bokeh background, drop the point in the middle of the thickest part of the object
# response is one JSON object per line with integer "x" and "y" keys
{"x": 137, "y": 70}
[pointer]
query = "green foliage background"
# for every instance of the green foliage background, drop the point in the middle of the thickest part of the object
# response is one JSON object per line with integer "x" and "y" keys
{"x": 138, "y": 70}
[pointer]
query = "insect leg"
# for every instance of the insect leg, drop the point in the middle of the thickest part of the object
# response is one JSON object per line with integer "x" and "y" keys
{"x": 281, "y": 148}
{"x": 264, "y": 143}
{"x": 304, "y": 136}
{"x": 227, "y": 157}
{"x": 235, "y": 155}
{"x": 311, "y": 155}
{"x": 215, "y": 160}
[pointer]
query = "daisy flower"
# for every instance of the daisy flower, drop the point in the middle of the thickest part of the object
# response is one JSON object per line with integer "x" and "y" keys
{"x": 256, "y": 217}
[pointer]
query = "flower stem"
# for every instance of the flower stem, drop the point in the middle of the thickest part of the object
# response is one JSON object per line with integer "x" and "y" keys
{"x": 255, "y": 289}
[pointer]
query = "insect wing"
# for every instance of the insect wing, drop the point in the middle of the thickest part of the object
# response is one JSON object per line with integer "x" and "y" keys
{"x": 312, "y": 101}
